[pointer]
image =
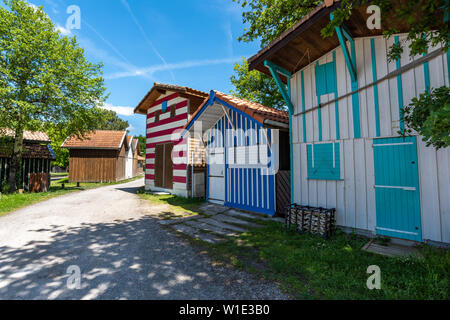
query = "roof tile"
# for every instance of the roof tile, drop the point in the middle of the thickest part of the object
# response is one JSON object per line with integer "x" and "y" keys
{"x": 100, "y": 139}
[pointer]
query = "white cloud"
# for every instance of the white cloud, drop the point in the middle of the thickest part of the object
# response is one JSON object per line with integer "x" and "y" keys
{"x": 120, "y": 110}
{"x": 64, "y": 31}
{"x": 149, "y": 71}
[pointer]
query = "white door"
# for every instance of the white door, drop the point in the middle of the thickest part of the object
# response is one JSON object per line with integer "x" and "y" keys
{"x": 129, "y": 165}
{"x": 217, "y": 176}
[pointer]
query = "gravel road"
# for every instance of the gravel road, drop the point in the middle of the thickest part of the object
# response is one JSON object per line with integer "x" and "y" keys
{"x": 121, "y": 252}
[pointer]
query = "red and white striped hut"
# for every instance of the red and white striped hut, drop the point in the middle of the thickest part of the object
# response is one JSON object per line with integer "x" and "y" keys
{"x": 172, "y": 165}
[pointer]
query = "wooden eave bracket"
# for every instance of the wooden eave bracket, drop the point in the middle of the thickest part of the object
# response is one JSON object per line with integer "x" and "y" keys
{"x": 344, "y": 34}
{"x": 285, "y": 93}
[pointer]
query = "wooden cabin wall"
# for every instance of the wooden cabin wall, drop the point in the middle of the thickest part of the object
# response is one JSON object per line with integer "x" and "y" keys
{"x": 94, "y": 166}
{"x": 354, "y": 194}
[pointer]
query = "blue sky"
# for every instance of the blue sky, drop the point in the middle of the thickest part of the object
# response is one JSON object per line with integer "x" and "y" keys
{"x": 184, "y": 42}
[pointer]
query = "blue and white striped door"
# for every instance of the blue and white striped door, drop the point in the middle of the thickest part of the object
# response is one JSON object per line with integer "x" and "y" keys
{"x": 397, "y": 188}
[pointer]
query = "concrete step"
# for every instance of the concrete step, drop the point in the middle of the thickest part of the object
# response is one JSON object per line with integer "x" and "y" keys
{"x": 228, "y": 219}
{"x": 212, "y": 209}
{"x": 196, "y": 234}
{"x": 223, "y": 225}
{"x": 177, "y": 220}
{"x": 239, "y": 214}
{"x": 215, "y": 229}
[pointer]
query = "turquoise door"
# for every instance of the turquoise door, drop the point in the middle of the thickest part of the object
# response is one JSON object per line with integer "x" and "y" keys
{"x": 397, "y": 188}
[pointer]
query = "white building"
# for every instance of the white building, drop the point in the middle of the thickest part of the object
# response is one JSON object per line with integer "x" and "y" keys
{"x": 348, "y": 153}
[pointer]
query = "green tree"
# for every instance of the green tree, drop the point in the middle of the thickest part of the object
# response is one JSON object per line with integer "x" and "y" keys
{"x": 142, "y": 143}
{"x": 111, "y": 121}
{"x": 44, "y": 77}
{"x": 256, "y": 86}
{"x": 429, "y": 115}
{"x": 268, "y": 19}
{"x": 58, "y": 133}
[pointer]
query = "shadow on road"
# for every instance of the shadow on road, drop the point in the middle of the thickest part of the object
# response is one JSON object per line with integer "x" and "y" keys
{"x": 133, "y": 259}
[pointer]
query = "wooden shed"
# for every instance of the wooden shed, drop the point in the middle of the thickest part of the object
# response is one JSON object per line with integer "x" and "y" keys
{"x": 100, "y": 157}
{"x": 349, "y": 153}
{"x": 172, "y": 164}
{"x": 247, "y": 150}
{"x": 36, "y": 162}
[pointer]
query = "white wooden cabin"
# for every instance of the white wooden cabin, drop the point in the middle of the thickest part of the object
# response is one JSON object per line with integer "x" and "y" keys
{"x": 347, "y": 149}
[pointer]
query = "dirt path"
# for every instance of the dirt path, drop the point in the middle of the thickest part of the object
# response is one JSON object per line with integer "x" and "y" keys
{"x": 122, "y": 253}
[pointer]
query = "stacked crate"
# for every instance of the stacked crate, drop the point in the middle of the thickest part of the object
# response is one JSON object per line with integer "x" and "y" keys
{"x": 311, "y": 220}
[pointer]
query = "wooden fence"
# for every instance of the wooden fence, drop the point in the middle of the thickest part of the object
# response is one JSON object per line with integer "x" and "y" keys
{"x": 33, "y": 170}
{"x": 283, "y": 185}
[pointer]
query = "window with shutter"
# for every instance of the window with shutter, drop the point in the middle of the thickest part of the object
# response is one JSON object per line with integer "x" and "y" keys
{"x": 157, "y": 116}
{"x": 324, "y": 161}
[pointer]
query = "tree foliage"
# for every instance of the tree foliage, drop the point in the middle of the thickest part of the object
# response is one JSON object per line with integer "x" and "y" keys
{"x": 110, "y": 121}
{"x": 268, "y": 19}
{"x": 44, "y": 77}
{"x": 255, "y": 86}
{"x": 429, "y": 115}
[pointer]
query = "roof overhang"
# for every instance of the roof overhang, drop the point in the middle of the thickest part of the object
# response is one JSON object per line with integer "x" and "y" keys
{"x": 212, "y": 110}
{"x": 303, "y": 43}
{"x": 160, "y": 89}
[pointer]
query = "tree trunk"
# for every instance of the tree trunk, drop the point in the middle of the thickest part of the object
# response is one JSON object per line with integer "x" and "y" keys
{"x": 16, "y": 160}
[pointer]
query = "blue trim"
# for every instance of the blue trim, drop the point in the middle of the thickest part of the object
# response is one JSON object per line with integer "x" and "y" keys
{"x": 400, "y": 92}
{"x": 336, "y": 104}
{"x": 164, "y": 106}
{"x": 426, "y": 70}
{"x": 274, "y": 70}
{"x": 375, "y": 87}
{"x": 209, "y": 103}
{"x": 446, "y": 18}
{"x": 398, "y": 211}
{"x": 303, "y": 105}
{"x": 326, "y": 159}
{"x": 342, "y": 31}
{"x": 207, "y": 180}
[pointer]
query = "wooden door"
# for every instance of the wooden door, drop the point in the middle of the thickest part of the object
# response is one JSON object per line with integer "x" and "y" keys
{"x": 159, "y": 166}
{"x": 397, "y": 188}
{"x": 168, "y": 166}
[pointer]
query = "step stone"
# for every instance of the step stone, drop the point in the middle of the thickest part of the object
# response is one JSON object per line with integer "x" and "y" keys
{"x": 228, "y": 219}
{"x": 204, "y": 226}
{"x": 194, "y": 233}
{"x": 223, "y": 225}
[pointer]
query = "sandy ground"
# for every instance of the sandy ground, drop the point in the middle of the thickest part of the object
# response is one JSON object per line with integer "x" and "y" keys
{"x": 120, "y": 250}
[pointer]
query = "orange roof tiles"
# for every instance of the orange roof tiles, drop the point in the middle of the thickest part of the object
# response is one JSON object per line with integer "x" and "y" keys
{"x": 155, "y": 93}
{"x": 100, "y": 139}
{"x": 34, "y": 136}
{"x": 255, "y": 110}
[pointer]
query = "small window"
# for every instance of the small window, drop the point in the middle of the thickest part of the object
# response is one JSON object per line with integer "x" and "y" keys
{"x": 157, "y": 116}
{"x": 324, "y": 162}
{"x": 173, "y": 111}
{"x": 164, "y": 107}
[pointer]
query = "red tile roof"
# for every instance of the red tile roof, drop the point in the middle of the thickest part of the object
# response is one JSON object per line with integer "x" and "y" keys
{"x": 255, "y": 110}
{"x": 100, "y": 139}
{"x": 32, "y": 136}
{"x": 157, "y": 90}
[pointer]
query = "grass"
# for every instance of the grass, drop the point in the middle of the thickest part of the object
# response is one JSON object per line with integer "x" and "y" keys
{"x": 309, "y": 267}
{"x": 15, "y": 201}
{"x": 177, "y": 206}
{"x": 62, "y": 174}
